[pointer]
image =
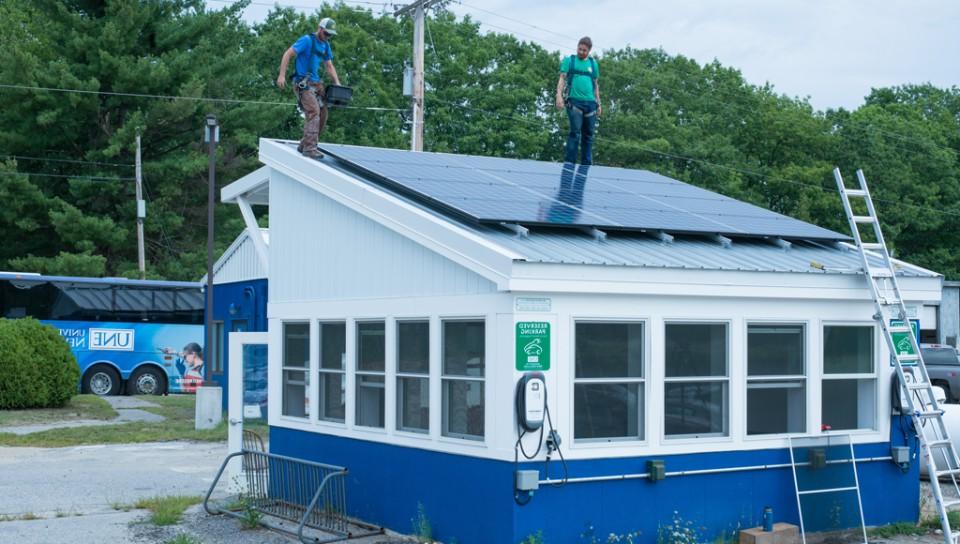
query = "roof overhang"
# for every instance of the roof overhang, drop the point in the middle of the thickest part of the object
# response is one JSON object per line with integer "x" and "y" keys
{"x": 255, "y": 187}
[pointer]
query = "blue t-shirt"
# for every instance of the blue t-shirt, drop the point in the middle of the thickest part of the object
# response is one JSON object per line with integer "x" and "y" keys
{"x": 311, "y": 51}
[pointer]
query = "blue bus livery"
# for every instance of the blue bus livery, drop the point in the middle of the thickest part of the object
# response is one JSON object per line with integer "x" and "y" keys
{"x": 129, "y": 336}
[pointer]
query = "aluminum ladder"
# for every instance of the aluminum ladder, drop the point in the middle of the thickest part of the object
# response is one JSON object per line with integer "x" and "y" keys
{"x": 917, "y": 393}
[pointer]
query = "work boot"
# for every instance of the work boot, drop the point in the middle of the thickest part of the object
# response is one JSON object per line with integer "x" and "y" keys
{"x": 315, "y": 155}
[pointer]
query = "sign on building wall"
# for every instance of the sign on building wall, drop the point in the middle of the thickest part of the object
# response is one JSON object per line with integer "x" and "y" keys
{"x": 902, "y": 339}
{"x": 533, "y": 346}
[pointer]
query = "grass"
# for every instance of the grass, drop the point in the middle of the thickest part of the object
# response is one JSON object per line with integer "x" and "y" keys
{"x": 926, "y": 526}
{"x": 167, "y": 510}
{"x": 184, "y": 539}
{"x": 79, "y": 407}
{"x": 179, "y": 425}
{"x": 19, "y": 517}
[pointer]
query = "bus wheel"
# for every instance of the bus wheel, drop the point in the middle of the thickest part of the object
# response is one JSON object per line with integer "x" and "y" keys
{"x": 101, "y": 381}
{"x": 146, "y": 380}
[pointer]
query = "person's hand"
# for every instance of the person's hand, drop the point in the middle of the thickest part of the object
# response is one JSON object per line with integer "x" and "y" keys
{"x": 599, "y": 109}
{"x": 559, "y": 102}
{"x": 281, "y": 81}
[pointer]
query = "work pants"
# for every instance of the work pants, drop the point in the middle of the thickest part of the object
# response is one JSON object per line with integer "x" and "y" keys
{"x": 313, "y": 104}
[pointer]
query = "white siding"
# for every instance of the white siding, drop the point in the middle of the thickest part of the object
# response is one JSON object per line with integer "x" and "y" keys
{"x": 322, "y": 250}
{"x": 239, "y": 262}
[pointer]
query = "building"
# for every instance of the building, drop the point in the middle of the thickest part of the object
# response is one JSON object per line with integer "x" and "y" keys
{"x": 239, "y": 305}
{"x": 949, "y": 314}
{"x": 397, "y": 329}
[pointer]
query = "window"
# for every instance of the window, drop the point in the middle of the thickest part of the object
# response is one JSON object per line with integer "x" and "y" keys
{"x": 776, "y": 379}
{"x": 697, "y": 382}
{"x": 296, "y": 364}
{"x": 371, "y": 351}
{"x": 332, "y": 378}
{"x": 217, "y": 338}
{"x": 462, "y": 382}
{"x": 608, "y": 390}
{"x": 413, "y": 376}
{"x": 849, "y": 378}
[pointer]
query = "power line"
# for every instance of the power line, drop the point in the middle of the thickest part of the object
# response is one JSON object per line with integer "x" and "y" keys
{"x": 296, "y": 6}
{"x": 495, "y": 14}
{"x": 68, "y": 176}
{"x": 68, "y": 161}
{"x": 177, "y": 97}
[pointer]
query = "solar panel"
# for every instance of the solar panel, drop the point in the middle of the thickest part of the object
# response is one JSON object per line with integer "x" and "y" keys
{"x": 496, "y": 190}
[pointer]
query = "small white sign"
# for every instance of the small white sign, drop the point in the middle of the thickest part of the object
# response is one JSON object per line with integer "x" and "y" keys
{"x": 252, "y": 411}
{"x": 532, "y": 304}
{"x": 111, "y": 339}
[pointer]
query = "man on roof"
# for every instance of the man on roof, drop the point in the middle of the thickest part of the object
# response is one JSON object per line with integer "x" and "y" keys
{"x": 578, "y": 91}
{"x": 310, "y": 51}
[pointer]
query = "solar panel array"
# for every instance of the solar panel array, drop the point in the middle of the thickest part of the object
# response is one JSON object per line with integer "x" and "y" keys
{"x": 496, "y": 190}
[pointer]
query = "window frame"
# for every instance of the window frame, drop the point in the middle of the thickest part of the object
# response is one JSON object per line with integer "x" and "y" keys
{"x": 358, "y": 374}
{"x": 874, "y": 376}
{"x": 444, "y": 378}
{"x": 804, "y": 378}
{"x": 727, "y": 378}
{"x": 330, "y": 371}
{"x": 400, "y": 374}
{"x": 643, "y": 381}
{"x": 221, "y": 342}
{"x": 305, "y": 370}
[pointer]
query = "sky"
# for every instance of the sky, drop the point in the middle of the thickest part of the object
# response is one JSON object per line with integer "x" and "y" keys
{"x": 830, "y": 51}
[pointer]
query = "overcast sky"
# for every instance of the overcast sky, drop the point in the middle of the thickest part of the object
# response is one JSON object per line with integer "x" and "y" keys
{"x": 833, "y": 51}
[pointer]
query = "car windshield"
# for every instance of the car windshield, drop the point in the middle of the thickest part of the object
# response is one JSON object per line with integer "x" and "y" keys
{"x": 940, "y": 356}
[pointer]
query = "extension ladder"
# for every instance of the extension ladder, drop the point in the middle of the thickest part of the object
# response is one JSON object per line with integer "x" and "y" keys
{"x": 917, "y": 393}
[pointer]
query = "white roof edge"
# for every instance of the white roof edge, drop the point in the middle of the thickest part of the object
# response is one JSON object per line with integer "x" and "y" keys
{"x": 902, "y": 264}
{"x": 231, "y": 249}
{"x": 468, "y": 249}
{"x": 250, "y": 182}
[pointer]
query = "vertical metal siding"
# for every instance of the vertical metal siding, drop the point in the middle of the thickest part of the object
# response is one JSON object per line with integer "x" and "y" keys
{"x": 320, "y": 249}
{"x": 239, "y": 263}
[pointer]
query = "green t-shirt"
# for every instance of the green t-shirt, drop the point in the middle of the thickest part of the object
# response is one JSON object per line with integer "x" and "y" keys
{"x": 581, "y": 88}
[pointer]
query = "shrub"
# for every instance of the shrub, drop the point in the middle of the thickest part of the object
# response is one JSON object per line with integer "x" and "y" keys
{"x": 37, "y": 368}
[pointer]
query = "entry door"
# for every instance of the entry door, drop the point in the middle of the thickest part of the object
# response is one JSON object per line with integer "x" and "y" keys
{"x": 246, "y": 386}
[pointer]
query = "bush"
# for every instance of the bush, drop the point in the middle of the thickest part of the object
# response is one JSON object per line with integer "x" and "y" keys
{"x": 37, "y": 368}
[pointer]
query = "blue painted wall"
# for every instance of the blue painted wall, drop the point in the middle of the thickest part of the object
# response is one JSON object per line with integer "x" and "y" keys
{"x": 240, "y": 304}
{"x": 470, "y": 500}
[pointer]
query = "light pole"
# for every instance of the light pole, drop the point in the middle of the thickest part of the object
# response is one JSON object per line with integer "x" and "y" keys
{"x": 211, "y": 136}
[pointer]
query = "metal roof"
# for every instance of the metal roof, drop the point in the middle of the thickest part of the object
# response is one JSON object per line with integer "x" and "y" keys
{"x": 31, "y": 276}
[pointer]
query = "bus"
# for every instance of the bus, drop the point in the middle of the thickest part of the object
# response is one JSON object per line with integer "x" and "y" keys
{"x": 135, "y": 337}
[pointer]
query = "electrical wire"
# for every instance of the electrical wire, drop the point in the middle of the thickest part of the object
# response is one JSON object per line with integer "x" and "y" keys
{"x": 67, "y": 176}
{"x": 68, "y": 161}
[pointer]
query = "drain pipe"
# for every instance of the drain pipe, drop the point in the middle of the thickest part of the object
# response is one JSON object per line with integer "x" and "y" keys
{"x": 646, "y": 475}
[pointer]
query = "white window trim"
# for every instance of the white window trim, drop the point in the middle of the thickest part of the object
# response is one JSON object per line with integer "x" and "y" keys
{"x": 875, "y": 375}
{"x": 376, "y": 373}
{"x": 444, "y": 377}
{"x": 805, "y": 325}
{"x": 643, "y": 380}
{"x": 420, "y": 433}
{"x": 306, "y": 370}
{"x": 726, "y": 378}
{"x": 342, "y": 372}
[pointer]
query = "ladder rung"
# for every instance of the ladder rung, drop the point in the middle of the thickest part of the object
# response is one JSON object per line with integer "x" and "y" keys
{"x": 864, "y": 219}
{"x": 905, "y": 357}
{"x": 831, "y": 490}
{"x": 889, "y": 302}
{"x": 950, "y": 503}
{"x": 914, "y": 386}
{"x": 948, "y": 472}
{"x": 938, "y": 443}
{"x": 856, "y": 192}
{"x": 880, "y": 273}
{"x": 929, "y": 414}
{"x": 871, "y": 245}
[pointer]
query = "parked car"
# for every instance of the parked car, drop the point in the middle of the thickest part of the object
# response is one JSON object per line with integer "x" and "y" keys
{"x": 943, "y": 365}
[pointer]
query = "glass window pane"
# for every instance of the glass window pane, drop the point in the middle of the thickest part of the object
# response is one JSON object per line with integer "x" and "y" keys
{"x": 609, "y": 350}
{"x": 849, "y": 404}
{"x": 217, "y": 351}
{"x": 413, "y": 404}
{"x": 695, "y": 408}
{"x": 296, "y": 403}
{"x": 296, "y": 345}
{"x": 775, "y": 350}
{"x": 333, "y": 345}
{"x": 371, "y": 349}
{"x": 333, "y": 397}
{"x": 413, "y": 347}
{"x": 776, "y": 407}
{"x": 847, "y": 350}
{"x": 463, "y": 408}
{"x": 463, "y": 348}
{"x": 696, "y": 349}
{"x": 608, "y": 410}
{"x": 370, "y": 401}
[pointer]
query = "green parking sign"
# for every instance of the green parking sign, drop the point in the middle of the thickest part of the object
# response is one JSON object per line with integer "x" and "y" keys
{"x": 533, "y": 346}
{"x": 901, "y": 340}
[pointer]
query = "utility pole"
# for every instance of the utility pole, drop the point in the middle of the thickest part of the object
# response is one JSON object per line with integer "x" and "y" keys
{"x": 141, "y": 214}
{"x": 211, "y": 137}
{"x": 417, "y": 9}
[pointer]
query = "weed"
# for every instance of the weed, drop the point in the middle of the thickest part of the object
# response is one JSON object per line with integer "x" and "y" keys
{"x": 167, "y": 510}
{"x": 536, "y": 538}
{"x": 422, "y": 529}
{"x": 121, "y": 506}
{"x": 19, "y": 517}
{"x": 678, "y": 532}
{"x": 899, "y": 528}
{"x": 589, "y": 536}
{"x": 183, "y": 538}
{"x": 250, "y": 519}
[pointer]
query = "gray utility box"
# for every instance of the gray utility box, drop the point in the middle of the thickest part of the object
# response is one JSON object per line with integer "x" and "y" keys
{"x": 527, "y": 480}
